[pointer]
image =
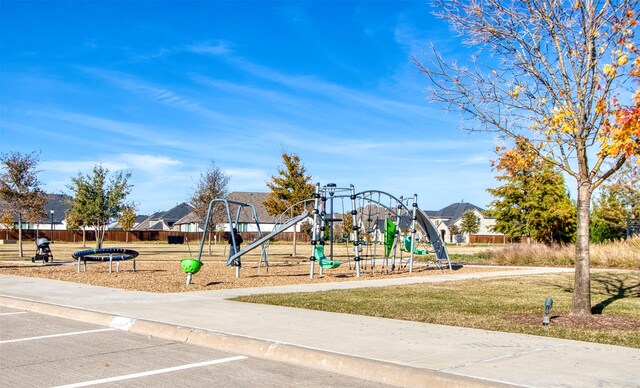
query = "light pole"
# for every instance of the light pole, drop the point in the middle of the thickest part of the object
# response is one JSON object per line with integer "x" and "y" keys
{"x": 51, "y": 212}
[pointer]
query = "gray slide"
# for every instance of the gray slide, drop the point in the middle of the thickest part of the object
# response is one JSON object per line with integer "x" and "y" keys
{"x": 266, "y": 238}
{"x": 434, "y": 238}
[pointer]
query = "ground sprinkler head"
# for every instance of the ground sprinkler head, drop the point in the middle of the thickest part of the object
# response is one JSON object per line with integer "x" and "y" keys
{"x": 547, "y": 310}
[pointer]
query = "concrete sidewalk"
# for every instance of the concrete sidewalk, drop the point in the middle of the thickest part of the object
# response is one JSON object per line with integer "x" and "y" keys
{"x": 384, "y": 350}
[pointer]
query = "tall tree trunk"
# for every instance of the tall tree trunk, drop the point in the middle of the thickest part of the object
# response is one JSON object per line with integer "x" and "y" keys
{"x": 582, "y": 280}
{"x": 99, "y": 236}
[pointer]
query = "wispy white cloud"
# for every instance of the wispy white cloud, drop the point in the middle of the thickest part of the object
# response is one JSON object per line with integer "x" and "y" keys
{"x": 219, "y": 48}
{"x": 153, "y": 163}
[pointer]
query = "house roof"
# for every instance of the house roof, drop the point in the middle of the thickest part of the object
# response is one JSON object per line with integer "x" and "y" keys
{"x": 190, "y": 218}
{"x": 177, "y": 212}
{"x": 255, "y": 199}
{"x": 454, "y": 211}
{"x": 56, "y": 202}
{"x": 168, "y": 217}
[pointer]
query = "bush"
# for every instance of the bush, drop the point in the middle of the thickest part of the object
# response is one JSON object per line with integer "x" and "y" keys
{"x": 601, "y": 232}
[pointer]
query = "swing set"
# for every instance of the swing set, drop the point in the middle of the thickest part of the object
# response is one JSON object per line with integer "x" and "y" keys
{"x": 191, "y": 266}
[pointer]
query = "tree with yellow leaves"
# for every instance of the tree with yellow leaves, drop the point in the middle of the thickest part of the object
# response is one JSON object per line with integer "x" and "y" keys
{"x": 557, "y": 73}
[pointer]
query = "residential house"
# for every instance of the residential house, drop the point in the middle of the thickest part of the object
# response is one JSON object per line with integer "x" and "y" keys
{"x": 165, "y": 220}
{"x": 55, "y": 209}
{"x": 444, "y": 218}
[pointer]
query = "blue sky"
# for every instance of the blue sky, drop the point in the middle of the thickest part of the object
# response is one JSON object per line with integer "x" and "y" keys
{"x": 162, "y": 88}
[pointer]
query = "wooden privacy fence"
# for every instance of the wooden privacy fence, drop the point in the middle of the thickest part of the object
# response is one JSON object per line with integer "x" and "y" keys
{"x": 487, "y": 239}
{"x": 140, "y": 236}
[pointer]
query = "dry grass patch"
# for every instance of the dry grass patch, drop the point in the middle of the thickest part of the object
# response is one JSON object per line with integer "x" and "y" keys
{"x": 618, "y": 254}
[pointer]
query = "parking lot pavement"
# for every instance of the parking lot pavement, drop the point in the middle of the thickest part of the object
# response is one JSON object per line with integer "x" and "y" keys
{"x": 44, "y": 351}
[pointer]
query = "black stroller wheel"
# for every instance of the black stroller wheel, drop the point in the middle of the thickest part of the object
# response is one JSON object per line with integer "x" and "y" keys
{"x": 33, "y": 259}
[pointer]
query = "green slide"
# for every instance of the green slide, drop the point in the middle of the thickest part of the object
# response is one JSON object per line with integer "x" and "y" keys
{"x": 407, "y": 247}
{"x": 389, "y": 236}
{"x": 322, "y": 259}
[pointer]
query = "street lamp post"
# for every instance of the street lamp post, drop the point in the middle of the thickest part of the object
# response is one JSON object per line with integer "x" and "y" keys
{"x": 51, "y": 211}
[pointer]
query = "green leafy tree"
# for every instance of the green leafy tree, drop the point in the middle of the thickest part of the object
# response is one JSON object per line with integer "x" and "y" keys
{"x": 608, "y": 219}
{"x": 20, "y": 189}
{"x": 533, "y": 200}
{"x": 454, "y": 231}
{"x": 554, "y": 72}
{"x": 469, "y": 224}
{"x": 98, "y": 199}
{"x": 618, "y": 200}
{"x": 289, "y": 187}
{"x": 127, "y": 219}
{"x": 74, "y": 222}
{"x": 213, "y": 184}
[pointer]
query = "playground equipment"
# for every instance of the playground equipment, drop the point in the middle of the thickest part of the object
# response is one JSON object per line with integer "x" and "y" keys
{"x": 407, "y": 247}
{"x": 322, "y": 218}
{"x": 106, "y": 254}
{"x": 396, "y": 211}
{"x": 192, "y": 266}
{"x": 43, "y": 252}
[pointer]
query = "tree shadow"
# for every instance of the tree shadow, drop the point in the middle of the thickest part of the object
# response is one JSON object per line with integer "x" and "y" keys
{"x": 616, "y": 286}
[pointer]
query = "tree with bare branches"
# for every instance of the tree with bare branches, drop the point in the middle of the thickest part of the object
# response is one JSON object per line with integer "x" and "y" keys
{"x": 213, "y": 184}
{"x": 557, "y": 73}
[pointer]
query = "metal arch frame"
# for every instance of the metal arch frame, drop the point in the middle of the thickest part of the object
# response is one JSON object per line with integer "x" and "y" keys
{"x": 442, "y": 255}
{"x": 226, "y": 203}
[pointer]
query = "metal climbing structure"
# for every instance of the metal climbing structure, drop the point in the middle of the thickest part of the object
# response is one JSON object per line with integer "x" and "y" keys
{"x": 400, "y": 215}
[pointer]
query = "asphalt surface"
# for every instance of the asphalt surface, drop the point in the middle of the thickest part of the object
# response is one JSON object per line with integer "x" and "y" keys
{"x": 40, "y": 350}
{"x": 380, "y": 350}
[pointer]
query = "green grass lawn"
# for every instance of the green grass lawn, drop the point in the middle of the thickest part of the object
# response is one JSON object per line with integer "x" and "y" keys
{"x": 501, "y": 304}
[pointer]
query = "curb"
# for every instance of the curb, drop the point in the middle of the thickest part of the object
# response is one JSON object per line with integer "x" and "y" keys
{"x": 348, "y": 365}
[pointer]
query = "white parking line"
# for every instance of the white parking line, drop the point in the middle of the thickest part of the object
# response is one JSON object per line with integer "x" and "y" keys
{"x": 55, "y": 335}
{"x": 14, "y": 313}
{"x": 152, "y": 372}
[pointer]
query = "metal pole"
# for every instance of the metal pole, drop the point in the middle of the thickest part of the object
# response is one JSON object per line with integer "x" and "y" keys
{"x": 356, "y": 227}
{"x": 331, "y": 189}
{"x": 413, "y": 230}
{"x": 52, "y": 211}
{"x": 314, "y": 229}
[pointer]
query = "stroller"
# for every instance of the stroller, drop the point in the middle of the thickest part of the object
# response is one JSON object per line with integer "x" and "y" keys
{"x": 43, "y": 252}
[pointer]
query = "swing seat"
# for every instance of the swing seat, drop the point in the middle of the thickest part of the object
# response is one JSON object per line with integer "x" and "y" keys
{"x": 328, "y": 264}
{"x": 322, "y": 259}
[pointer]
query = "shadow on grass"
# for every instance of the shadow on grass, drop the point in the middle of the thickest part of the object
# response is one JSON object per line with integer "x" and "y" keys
{"x": 616, "y": 286}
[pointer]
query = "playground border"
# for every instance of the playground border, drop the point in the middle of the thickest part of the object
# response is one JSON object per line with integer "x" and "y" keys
{"x": 347, "y": 365}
